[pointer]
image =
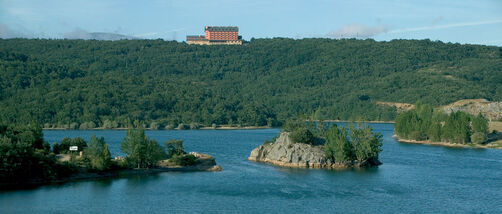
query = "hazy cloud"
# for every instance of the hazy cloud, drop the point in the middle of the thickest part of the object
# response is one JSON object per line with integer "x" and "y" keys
{"x": 358, "y": 31}
{"x": 437, "y": 20}
{"x": 435, "y": 27}
{"x": 85, "y": 35}
{"x": 7, "y": 33}
{"x": 78, "y": 34}
{"x": 149, "y": 34}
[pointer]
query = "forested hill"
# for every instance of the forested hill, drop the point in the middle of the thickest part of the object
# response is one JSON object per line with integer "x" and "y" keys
{"x": 81, "y": 83}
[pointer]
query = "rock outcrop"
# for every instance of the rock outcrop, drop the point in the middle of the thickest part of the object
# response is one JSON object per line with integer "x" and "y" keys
{"x": 284, "y": 152}
{"x": 490, "y": 110}
{"x": 204, "y": 162}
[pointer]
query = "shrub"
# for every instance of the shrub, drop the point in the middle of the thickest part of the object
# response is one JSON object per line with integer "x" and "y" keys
{"x": 154, "y": 126}
{"x": 87, "y": 125}
{"x": 169, "y": 127}
{"x": 74, "y": 126}
{"x": 183, "y": 160}
{"x": 292, "y": 125}
{"x": 194, "y": 126}
{"x": 479, "y": 137}
{"x": 270, "y": 141}
{"x": 302, "y": 135}
{"x": 182, "y": 126}
{"x": 417, "y": 135}
{"x": 108, "y": 124}
{"x": 174, "y": 148}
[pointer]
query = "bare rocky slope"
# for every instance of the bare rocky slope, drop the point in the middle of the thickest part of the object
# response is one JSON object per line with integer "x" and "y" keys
{"x": 284, "y": 152}
{"x": 490, "y": 110}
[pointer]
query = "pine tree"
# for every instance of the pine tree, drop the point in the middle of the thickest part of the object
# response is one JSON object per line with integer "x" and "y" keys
{"x": 336, "y": 143}
{"x": 480, "y": 124}
{"x": 141, "y": 152}
{"x": 479, "y": 129}
{"x": 98, "y": 154}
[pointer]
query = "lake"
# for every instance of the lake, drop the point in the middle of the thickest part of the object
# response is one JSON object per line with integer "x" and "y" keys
{"x": 413, "y": 178}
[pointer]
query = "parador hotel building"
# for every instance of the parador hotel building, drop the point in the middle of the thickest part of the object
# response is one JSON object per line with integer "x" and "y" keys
{"x": 217, "y": 35}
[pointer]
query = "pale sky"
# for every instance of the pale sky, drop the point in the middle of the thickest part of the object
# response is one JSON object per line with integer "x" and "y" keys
{"x": 462, "y": 21}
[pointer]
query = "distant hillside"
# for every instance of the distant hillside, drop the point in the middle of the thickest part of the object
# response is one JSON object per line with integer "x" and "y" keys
{"x": 86, "y": 83}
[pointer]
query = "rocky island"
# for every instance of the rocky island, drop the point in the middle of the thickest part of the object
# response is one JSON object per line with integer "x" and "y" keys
{"x": 335, "y": 150}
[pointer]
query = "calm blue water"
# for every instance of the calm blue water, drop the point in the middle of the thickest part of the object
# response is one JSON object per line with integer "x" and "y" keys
{"x": 412, "y": 179}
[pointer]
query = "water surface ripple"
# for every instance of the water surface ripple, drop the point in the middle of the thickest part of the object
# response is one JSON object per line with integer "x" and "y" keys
{"x": 412, "y": 179}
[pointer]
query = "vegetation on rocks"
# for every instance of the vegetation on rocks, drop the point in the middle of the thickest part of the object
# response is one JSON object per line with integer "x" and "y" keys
{"x": 357, "y": 143}
{"x": 302, "y": 135}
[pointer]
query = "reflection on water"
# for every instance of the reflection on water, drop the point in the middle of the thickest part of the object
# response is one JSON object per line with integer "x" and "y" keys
{"x": 102, "y": 184}
{"x": 141, "y": 180}
{"x": 413, "y": 178}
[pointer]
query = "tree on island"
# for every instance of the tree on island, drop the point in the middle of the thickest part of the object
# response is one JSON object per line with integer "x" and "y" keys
{"x": 141, "y": 152}
{"x": 457, "y": 128}
{"x": 337, "y": 147}
{"x": 365, "y": 143}
{"x": 24, "y": 155}
{"x": 174, "y": 148}
{"x": 480, "y": 129}
{"x": 97, "y": 154}
{"x": 340, "y": 144}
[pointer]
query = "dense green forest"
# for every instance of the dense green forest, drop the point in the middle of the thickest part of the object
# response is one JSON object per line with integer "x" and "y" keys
{"x": 425, "y": 123}
{"x": 87, "y": 84}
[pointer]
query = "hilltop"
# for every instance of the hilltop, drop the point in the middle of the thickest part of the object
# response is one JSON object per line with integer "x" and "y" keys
{"x": 88, "y": 83}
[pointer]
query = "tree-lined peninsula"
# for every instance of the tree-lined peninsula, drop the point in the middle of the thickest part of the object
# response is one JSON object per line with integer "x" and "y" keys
{"x": 427, "y": 125}
{"x": 81, "y": 84}
{"x": 25, "y": 158}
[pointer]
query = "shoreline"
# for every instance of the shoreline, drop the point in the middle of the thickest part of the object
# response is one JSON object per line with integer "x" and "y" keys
{"x": 176, "y": 129}
{"x": 206, "y": 164}
{"x": 321, "y": 166}
{"x": 446, "y": 144}
{"x": 361, "y": 121}
{"x": 119, "y": 173}
{"x": 283, "y": 152}
{"x": 223, "y": 127}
